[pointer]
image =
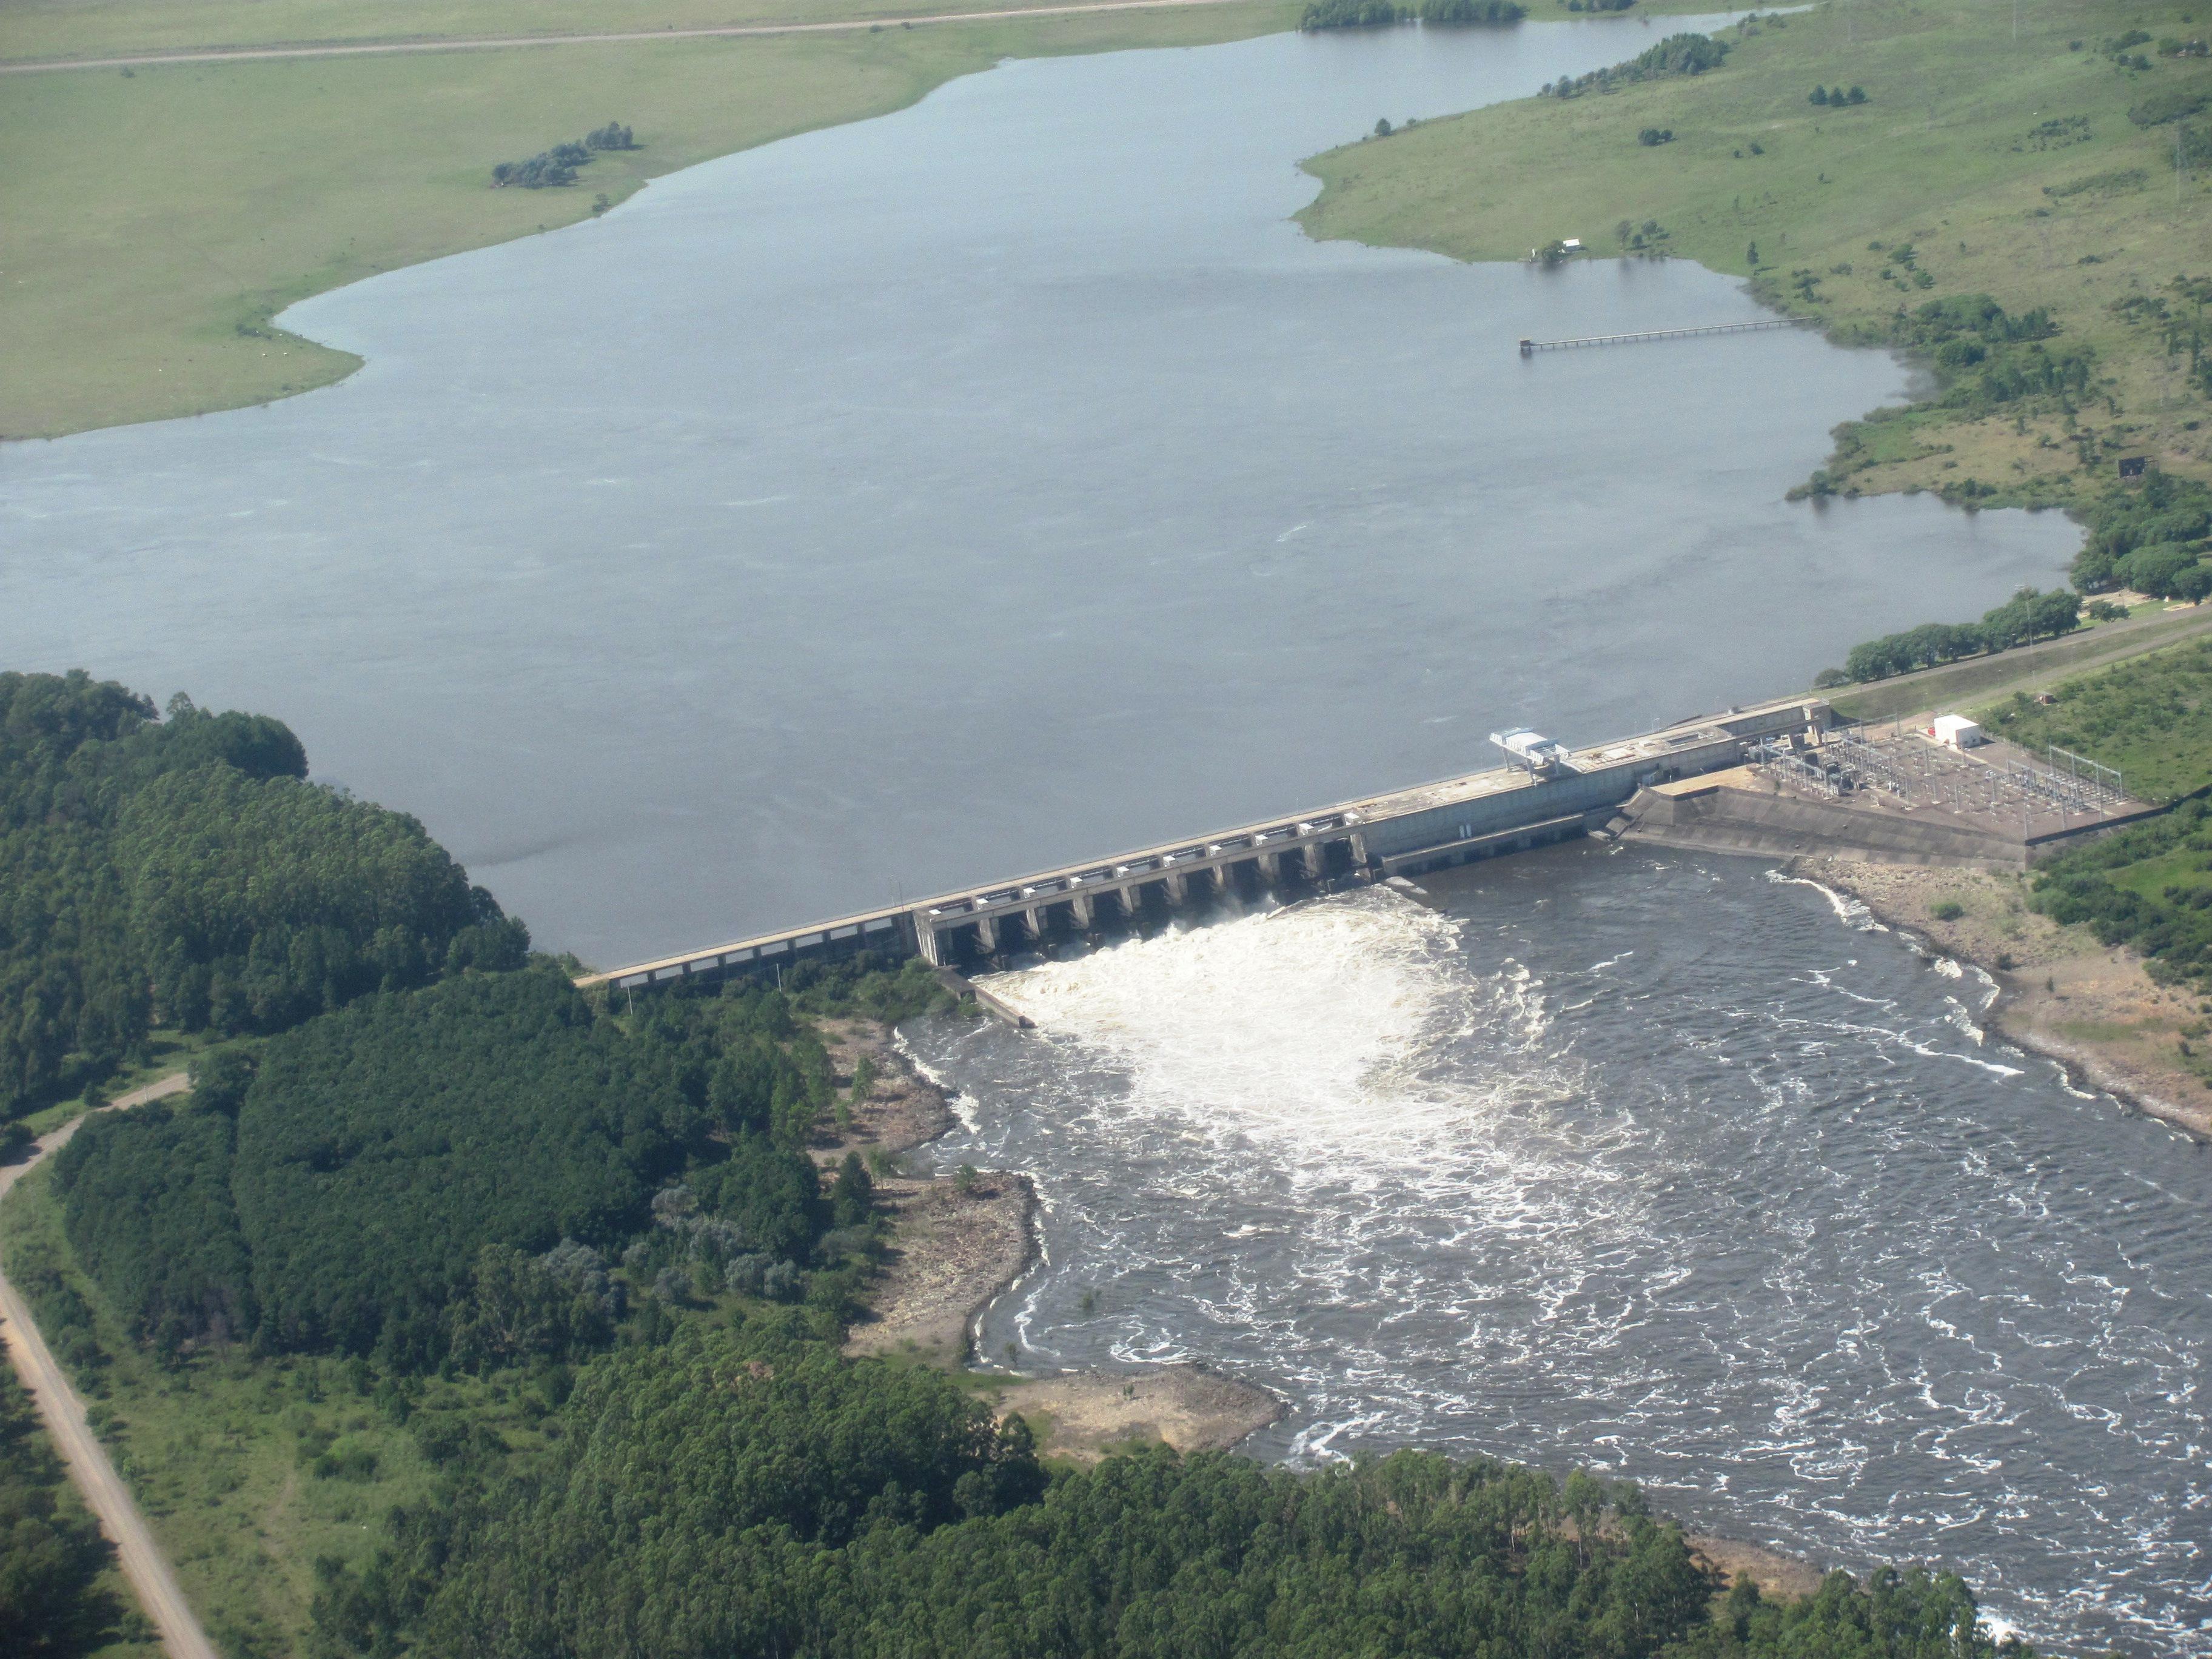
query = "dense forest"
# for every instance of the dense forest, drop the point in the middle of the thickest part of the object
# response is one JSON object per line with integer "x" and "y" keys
{"x": 747, "y": 1492}
{"x": 551, "y": 168}
{"x": 51, "y": 1555}
{"x": 182, "y": 869}
{"x": 2152, "y": 538}
{"x": 441, "y": 1168}
{"x": 1986, "y": 356}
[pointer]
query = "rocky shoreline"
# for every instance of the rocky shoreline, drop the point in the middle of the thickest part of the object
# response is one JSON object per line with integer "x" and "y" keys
{"x": 2091, "y": 1007}
{"x": 960, "y": 1242}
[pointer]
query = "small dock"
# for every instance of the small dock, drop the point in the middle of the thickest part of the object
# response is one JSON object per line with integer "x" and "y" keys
{"x": 1530, "y": 348}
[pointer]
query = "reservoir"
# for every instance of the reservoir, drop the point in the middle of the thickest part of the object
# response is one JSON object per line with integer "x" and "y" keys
{"x": 1009, "y": 480}
{"x": 998, "y": 483}
{"x": 1663, "y": 1165}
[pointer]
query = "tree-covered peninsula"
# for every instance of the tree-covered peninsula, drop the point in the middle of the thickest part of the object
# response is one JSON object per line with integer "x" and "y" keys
{"x": 453, "y": 1312}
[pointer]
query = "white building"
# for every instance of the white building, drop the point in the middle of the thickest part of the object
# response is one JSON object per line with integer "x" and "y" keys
{"x": 1957, "y": 732}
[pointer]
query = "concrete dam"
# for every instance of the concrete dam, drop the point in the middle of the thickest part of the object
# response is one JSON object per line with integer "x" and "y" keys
{"x": 1546, "y": 792}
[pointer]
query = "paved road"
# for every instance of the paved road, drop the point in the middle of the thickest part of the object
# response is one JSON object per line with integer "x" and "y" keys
{"x": 104, "y": 1493}
{"x": 375, "y": 48}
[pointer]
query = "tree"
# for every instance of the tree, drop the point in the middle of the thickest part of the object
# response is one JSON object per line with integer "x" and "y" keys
{"x": 1820, "y": 96}
{"x": 853, "y": 1199}
{"x": 51, "y": 1555}
{"x": 1751, "y": 255}
{"x": 1348, "y": 14}
{"x": 1472, "y": 11}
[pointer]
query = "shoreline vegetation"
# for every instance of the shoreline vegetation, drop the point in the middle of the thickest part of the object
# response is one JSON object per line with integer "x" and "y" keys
{"x": 2011, "y": 206}
{"x": 439, "y": 1267}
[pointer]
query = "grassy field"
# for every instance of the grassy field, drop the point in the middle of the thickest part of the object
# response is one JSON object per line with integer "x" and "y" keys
{"x": 158, "y": 220}
{"x": 2147, "y": 716}
{"x": 249, "y": 1469}
{"x": 32, "y": 31}
{"x": 2009, "y": 166}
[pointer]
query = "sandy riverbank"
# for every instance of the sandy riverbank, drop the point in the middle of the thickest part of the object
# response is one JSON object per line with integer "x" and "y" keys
{"x": 2090, "y": 1006}
{"x": 957, "y": 1245}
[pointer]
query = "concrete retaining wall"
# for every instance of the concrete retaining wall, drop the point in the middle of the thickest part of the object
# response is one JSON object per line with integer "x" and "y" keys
{"x": 1727, "y": 820}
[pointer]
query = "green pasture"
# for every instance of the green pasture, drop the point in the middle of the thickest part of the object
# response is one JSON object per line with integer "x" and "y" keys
{"x": 158, "y": 220}
{"x": 2008, "y": 165}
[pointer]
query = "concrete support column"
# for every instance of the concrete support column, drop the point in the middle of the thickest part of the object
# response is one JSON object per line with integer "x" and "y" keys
{"x": 931, "y": 947}
{"x": 1035, "y": 915}
{"x": 1316, "y": 862}
{"x": 986, "y": 935}
{"x": 1178, "y": 888}
{"x": 1079, "y": 907}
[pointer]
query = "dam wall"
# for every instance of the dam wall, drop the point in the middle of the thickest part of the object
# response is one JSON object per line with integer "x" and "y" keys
{"x": 1431, "y": 826}
{"x": 1737, "y": 820}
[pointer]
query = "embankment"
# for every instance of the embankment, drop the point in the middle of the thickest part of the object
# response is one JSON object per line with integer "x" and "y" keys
{"x": 1732, "y": 812}
{"x": 2091, "y": 1007}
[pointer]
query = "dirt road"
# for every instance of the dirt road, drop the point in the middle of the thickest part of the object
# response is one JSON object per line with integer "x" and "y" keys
{"x": 103, "y": 1490}
{"x": 486, "y": 43}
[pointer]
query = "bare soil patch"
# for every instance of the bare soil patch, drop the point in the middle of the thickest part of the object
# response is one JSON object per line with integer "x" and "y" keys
{"x": 1087, "y": 1414}
{"x": 2090, "y": 1006}
{"x": 1776, "y": 1575}
{"x": 952, "y": 1252}
{"x": 903, "y": 1109}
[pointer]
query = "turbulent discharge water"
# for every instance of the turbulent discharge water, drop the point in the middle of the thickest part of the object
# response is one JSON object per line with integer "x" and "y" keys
{"x": 1674, "y": 1168}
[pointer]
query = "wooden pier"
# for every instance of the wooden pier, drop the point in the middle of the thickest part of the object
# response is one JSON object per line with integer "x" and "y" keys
{"x": 1530, "y": 348}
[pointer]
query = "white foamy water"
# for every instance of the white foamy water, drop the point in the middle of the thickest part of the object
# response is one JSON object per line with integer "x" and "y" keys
{"x": 1322, "y": 1029}
{"x": 1662, "y": 1167}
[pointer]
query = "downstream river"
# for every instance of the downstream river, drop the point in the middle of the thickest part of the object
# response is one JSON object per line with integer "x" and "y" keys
{"x": 1666, "y": 1166}
{"x": 1003, "y": 481}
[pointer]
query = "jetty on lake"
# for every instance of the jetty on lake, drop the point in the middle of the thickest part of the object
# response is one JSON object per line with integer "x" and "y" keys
{"x": 1530, "y": 348}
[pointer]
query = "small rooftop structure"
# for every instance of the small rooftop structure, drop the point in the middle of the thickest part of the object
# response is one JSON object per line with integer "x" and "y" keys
{"x": 1572, "y": 244}
{"x": 1533, "y": 750}
{"x": 1957, "y": 732}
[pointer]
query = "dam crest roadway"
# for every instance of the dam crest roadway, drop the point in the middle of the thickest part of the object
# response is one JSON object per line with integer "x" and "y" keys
{"x": 1552, "y": 794}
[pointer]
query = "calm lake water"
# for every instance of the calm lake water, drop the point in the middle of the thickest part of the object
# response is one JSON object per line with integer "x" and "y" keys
{"x": 1662, "y": 1165}
{"x": 1003, "y": 481}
